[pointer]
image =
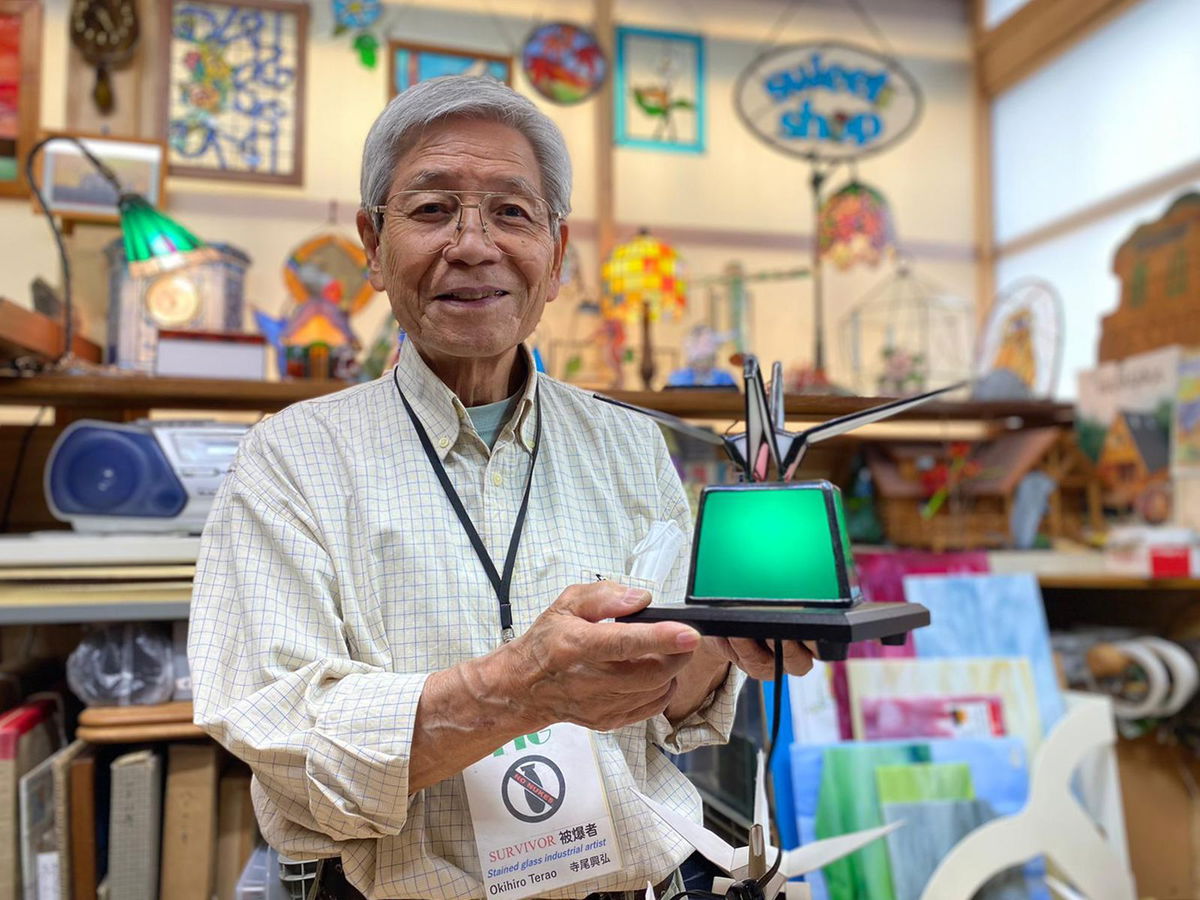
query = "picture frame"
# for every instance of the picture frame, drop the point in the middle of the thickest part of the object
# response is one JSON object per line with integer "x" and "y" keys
{"x": 659, "y": 90}
{"x": 232, "y": 105}
{"x": 20, "y": 83}
{"x": 410, "y": 63}
{"x": 75, "y": 191}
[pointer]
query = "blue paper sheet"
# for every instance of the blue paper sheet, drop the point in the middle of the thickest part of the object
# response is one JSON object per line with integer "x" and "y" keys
{"x": 989, "y": 615}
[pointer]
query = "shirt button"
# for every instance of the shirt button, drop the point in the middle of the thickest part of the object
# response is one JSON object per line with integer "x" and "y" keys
{"x": 444, "y": 442}
{"x": 497, "y": 479}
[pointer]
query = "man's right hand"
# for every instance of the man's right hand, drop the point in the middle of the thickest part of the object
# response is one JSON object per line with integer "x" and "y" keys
{"x": 571, "y": 666}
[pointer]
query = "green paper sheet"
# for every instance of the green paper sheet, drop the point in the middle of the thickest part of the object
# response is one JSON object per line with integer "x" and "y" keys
{"x": 925, "y": 781}
{"x": 849, "y": 801}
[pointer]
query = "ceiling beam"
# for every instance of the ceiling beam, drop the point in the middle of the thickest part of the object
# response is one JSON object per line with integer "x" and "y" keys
{"x": 1036, "y": 34}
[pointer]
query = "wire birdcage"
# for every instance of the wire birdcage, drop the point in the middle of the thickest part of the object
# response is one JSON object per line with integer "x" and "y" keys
{"x": 907, "y": 335}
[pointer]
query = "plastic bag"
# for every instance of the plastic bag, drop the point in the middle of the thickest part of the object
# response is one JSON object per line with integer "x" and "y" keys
{"x": 122, "y": 665}
{"x": 655, "y": 554}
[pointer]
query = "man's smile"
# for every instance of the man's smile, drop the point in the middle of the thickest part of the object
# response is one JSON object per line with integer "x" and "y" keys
{"x": 472, "y": 294}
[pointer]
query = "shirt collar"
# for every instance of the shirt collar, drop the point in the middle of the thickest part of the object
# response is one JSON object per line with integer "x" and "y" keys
{"x": 440, "y": 410}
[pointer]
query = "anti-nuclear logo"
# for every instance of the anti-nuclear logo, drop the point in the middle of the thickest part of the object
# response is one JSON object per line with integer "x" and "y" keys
{"x": 533, "y": 789}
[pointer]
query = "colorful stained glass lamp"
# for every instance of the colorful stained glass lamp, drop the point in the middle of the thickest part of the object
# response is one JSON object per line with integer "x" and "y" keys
{"x": 855, "y": 226}
{"x": 154, "y": 243}
{"x": 643, "y": 279}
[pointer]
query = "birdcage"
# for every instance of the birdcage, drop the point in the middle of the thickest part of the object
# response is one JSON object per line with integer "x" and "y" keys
{"x": 907, "y": 335}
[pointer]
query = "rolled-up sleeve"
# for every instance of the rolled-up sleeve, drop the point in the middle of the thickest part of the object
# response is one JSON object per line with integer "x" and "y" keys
{"x": 713, "y": 721}
{"x": 328, "y": 737}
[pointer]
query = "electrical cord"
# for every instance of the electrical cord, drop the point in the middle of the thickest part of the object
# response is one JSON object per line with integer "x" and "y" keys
{"x": 755, "y": 888}
{"x": 22, "y": 449}
{"x": 68, "y": 313}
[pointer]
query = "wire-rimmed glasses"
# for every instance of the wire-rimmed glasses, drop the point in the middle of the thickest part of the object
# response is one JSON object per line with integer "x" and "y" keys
{"x": 515, "y": 223}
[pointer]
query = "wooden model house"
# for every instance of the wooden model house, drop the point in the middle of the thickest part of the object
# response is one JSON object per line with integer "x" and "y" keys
{"x": 1135, "y": 455}
{"x": 978, "y": 510}
{"x": 1159, "y": 268}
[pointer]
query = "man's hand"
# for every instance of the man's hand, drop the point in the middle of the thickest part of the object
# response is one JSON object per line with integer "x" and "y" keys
{"x": 572, "y": 667}
{"x": 758, "y": 661}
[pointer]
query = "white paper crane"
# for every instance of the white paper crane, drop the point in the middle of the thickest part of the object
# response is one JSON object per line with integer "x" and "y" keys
{"x": 755, "y": 860}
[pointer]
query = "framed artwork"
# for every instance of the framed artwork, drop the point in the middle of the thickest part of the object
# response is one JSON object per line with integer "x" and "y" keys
{"x": 233, "y": 106}
{"x": 411, "y": 63}
{"x": 20, "y": 52}
{"x": 75, "y": 190}
{"x": 659, "y": 90}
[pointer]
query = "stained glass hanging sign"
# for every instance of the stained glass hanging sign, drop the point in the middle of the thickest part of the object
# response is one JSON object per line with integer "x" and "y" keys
{"x": 234, "y": 106}
{"x": 827, "y": 100}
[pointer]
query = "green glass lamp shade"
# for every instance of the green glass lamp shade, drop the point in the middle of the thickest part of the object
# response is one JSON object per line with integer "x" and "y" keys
{"x": 773, "y": 543}
{"x": 153, "y": 242}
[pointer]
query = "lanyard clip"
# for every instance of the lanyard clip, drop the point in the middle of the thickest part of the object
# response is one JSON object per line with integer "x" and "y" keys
{"x": 506, "y": 635}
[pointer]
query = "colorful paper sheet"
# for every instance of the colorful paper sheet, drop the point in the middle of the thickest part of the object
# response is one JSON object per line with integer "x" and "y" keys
{"x": 969, "y": 715}
{"x": 881, "y": 576}
{"x": 918, "y": 782}
{"x": 999, "y": 775}
{"x": 1007, "y": 677}
{"x": 849, "y": 801}
{"x": 931, "y": 829}
{"x": 989, "y": 615}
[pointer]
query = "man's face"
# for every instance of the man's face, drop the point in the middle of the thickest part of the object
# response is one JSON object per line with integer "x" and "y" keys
{"x": 468, "y": 298}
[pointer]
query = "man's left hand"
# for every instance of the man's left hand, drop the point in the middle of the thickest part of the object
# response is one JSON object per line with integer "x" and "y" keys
{"x": 757, "y": 659}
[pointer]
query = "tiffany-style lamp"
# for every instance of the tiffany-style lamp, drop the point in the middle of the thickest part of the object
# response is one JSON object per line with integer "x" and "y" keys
{"x": 642, "y": 279}
{"x": 153, "y": 243}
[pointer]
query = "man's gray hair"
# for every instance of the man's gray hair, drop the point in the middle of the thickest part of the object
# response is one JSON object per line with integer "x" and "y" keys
{"x": 405, "y": 118}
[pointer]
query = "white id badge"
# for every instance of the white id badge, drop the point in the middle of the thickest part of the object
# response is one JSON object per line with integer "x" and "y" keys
{"x": 540, "y": 814}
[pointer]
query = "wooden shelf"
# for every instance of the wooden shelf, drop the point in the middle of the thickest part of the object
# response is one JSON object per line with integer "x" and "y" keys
{"x": 40, "y": 602}
{"x": 1112, "y": 582}
{"x": 133, "y": 724}
{"x": 142, "y": 392}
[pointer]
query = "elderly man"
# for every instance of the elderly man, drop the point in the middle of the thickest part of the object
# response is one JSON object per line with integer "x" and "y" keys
{"x": 408, "y": 582}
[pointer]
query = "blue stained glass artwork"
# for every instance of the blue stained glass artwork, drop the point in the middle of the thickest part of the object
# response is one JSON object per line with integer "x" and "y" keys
{"x": 415, "y": 63}
{"x": 356, "y": 13}
{"x": 236, "y": 90}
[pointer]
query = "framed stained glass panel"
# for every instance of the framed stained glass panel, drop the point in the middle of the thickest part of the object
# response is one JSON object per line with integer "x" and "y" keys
{"x": 658, "y": 90}
{"x": 234, "y": 98}
{"x": 411, "y": 63}
{"x": 20, "y": 49}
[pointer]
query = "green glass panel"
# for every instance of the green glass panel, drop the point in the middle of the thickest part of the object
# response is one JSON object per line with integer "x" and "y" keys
{"x": 149, "y": 234}
{"x": 772, "y": 543}
{"x": 844, "y": 534}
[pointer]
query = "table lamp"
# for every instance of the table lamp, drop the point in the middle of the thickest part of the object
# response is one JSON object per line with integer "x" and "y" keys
{"x": 643, "y": 279}
{"x": 154, "y": 243}
{"x": 771, "y": 557}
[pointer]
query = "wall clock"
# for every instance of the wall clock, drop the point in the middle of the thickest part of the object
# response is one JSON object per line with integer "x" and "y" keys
{"x": 106, "y": 33}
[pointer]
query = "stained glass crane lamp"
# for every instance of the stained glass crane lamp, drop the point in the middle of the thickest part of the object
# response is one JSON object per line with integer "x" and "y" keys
{"x": 154, "y": 243}
{"x": 643, "y": 279}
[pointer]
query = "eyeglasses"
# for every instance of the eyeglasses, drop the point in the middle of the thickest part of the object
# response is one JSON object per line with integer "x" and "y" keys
{"x": 430, "y": 220}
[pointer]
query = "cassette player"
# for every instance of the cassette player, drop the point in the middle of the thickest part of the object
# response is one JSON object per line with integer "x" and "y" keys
{"x": 145, "y": 476}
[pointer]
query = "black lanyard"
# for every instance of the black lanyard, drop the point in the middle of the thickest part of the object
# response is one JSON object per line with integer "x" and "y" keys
{"x": 501, "y": 584}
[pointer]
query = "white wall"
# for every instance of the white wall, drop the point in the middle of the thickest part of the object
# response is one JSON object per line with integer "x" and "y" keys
{"x": 739, "y": 200}
{"x": 1114, "y": 112}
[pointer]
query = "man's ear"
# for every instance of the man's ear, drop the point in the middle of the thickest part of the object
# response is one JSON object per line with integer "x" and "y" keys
{"x": 560, "y": 252}
{"x": 370, "y": 241}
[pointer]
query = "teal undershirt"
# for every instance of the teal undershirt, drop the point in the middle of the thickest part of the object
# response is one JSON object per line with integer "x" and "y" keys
{"x": 489, "y": 419}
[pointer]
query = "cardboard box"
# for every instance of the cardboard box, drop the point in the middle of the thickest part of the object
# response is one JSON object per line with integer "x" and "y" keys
{"x": 237, "y": 832}
{"x": 189, "y": 837}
